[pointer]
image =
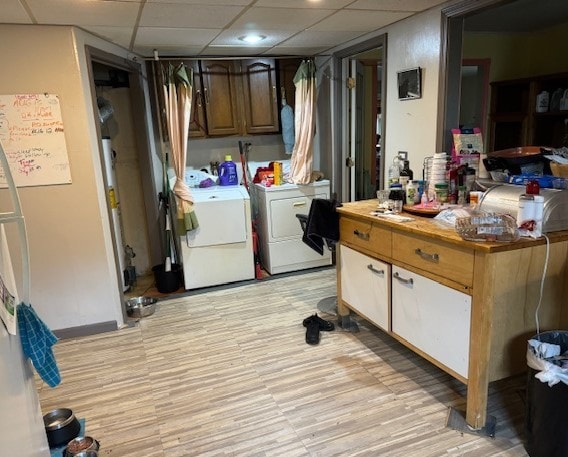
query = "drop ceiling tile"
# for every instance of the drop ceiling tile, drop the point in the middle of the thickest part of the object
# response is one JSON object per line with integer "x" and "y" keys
{"x": 14, "y": 13}
{"x": 183, "y": 15}
{"x": 119, "y": 35}
{"x": 206, "y": 2}
{"x": 395, "y": 5}
{"x": 315, "y": 38}
{"x": 94, "y": 12}
{"x": 231, "y": 37}
{"x": 359, "y": 21}
{"x": 296, "y": 51}
{"x": 159, "y": 36}
{"x": 279, "y": 18}
{"x": 168, "y": 51}
{"x": 321, "y": 4}
{"x": 233, "y": 51}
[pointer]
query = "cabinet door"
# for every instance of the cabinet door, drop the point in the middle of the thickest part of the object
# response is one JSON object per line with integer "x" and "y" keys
{"x": 432, "y": 317}
{"x": 287, "y": 69}
{"x": 365, "y": 286}
{"x": 220, "y": 91}
{"x": 197, "y": 124}
{"x": 260, "y": 97}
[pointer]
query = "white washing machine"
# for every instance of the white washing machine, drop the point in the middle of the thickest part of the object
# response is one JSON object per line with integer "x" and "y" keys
{"x": 220, "y": 250}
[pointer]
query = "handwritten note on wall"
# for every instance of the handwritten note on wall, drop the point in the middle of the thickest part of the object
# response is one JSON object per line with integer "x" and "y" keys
{"x": 33, "y": 137}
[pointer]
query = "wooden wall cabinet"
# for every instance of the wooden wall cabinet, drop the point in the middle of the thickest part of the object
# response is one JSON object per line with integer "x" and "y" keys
{"x": 260, "y": 96}
{"x": 198, "y": 123}
{"x": 238, "y": 97}
{"x": 241, "y": 97}
{"x": 220, "y": 92}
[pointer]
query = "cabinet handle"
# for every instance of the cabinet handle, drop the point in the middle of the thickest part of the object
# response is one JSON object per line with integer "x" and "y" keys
{"x": 274, "y": 94}
{"x": 198, "y": 97}
{"x": 374, "y": 270}
{"x": 426, "y": 256}
{"x": 363, "y": 236}
{"x": 299, "y": 204}
{"x": 206, "y": 96}
{"x": 403, "y": 280}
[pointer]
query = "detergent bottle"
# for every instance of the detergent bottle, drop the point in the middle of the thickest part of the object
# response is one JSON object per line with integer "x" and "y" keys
{"x": 228, "y": 172}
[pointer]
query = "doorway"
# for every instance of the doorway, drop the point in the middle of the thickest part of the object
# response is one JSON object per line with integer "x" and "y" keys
{"x": 118, "y": 97}
{"x": 362, "y": 106}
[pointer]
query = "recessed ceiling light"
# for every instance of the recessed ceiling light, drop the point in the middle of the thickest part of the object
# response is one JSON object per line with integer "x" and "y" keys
{"x": 252, "y": 38}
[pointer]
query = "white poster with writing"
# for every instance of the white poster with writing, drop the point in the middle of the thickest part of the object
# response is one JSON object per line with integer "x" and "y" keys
{"x": 33, "y": 137}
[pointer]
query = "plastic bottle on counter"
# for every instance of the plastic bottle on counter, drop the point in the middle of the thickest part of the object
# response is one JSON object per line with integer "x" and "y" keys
{"x": 394, "y": 171}
{"x": 411, "y": 192}
{"x": 228, "y": 172}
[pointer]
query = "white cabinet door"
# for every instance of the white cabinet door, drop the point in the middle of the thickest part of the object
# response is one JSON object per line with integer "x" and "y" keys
{"x": 432, "y": 317}
{"x": 365, "y": 284}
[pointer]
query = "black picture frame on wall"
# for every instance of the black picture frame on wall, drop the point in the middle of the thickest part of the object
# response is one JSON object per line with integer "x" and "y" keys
{"x": 409, "y": 84}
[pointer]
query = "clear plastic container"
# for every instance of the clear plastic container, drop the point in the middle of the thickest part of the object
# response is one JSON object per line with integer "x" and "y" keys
{"x": 488, "y": 227}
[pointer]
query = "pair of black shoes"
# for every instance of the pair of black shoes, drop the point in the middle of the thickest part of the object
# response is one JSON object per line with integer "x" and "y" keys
{"x": 314, "y": 324}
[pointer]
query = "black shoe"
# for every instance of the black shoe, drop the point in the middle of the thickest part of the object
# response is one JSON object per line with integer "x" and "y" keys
{"x": 324, "y": 326}
{"x": 312, "y": 332}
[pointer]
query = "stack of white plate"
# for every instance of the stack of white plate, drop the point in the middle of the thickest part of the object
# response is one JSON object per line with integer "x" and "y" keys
{"x": 437, "y": 172}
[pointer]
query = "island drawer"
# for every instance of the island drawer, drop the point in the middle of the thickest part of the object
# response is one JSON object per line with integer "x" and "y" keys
{"x": 443, "y": 259}
{"x": 366, "y": 235}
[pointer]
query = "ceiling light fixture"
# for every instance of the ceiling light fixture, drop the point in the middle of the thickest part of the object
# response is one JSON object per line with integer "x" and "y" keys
{"x": 252, "y": 38}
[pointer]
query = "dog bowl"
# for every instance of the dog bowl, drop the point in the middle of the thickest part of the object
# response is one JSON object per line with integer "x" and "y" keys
{"x": 80, "y": 445}
{"x": 61, "y": 426}
{"x": 140, "y": 306}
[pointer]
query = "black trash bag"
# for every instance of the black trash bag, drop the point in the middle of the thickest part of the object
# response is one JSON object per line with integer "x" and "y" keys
{"x": 546, "y": 420}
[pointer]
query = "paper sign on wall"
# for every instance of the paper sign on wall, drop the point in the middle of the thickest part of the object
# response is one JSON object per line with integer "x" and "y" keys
{"x": 33, "y": 137}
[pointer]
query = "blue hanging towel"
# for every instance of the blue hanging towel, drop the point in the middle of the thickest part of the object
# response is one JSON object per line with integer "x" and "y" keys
{"x": 37, "y": 342}
{"x": 288, "y": 133}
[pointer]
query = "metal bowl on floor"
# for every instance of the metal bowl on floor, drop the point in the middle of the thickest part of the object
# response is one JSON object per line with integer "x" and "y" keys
{"x": 139, "y": 307}
{"x": 61, "y": 426}
{"x": 80, "y": 445}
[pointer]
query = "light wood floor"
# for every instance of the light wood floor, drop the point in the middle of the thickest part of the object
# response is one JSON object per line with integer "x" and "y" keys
{"x": 228, "y": 373}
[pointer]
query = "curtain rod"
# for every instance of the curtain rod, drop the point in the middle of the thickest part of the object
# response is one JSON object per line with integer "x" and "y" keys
{"x": 156, "y": 57}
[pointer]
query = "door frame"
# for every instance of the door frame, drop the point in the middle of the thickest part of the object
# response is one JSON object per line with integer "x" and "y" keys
{"x": 141, "y": 123}
{"x": 341, "y": 106}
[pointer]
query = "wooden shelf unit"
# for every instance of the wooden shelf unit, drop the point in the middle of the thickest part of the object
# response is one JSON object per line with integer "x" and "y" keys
{"x": 514, "y": 120}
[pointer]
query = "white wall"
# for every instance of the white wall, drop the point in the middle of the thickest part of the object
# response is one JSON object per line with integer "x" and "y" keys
{"x": 73, "y": 277}
{"x": 411, "y": 125}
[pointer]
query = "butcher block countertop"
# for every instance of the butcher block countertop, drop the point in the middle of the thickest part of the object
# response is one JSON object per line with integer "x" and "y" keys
{"x": 430, "y": 227}
{"x": 503, "y": 281}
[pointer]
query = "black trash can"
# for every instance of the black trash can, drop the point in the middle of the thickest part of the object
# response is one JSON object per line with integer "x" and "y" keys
{"x": 546, "y": 421}
{"x": 167, "y": 281}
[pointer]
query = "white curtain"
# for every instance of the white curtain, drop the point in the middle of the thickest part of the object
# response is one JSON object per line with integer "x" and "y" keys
{"x": 301, "y": 163}
{"x": 178, "y": 99}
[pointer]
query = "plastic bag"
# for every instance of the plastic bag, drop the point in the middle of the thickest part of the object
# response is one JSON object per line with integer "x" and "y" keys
{"x": 552, "y": 366}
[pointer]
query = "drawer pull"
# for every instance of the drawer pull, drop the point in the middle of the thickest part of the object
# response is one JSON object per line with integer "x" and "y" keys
{"x": 403, "y": 280}
{"x": 374, "y": 270}
{"x": 426, "y": 256}
{"x": 363, "y": 236}
{"x": 299, "y": 204}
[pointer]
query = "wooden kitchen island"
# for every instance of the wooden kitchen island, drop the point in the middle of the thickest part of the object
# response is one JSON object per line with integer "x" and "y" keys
{"x": 467, "y": 307}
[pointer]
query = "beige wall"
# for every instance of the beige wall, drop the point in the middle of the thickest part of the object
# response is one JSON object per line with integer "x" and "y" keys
{"x": 73, "y": 276}
{"x": 520, "y": 55}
